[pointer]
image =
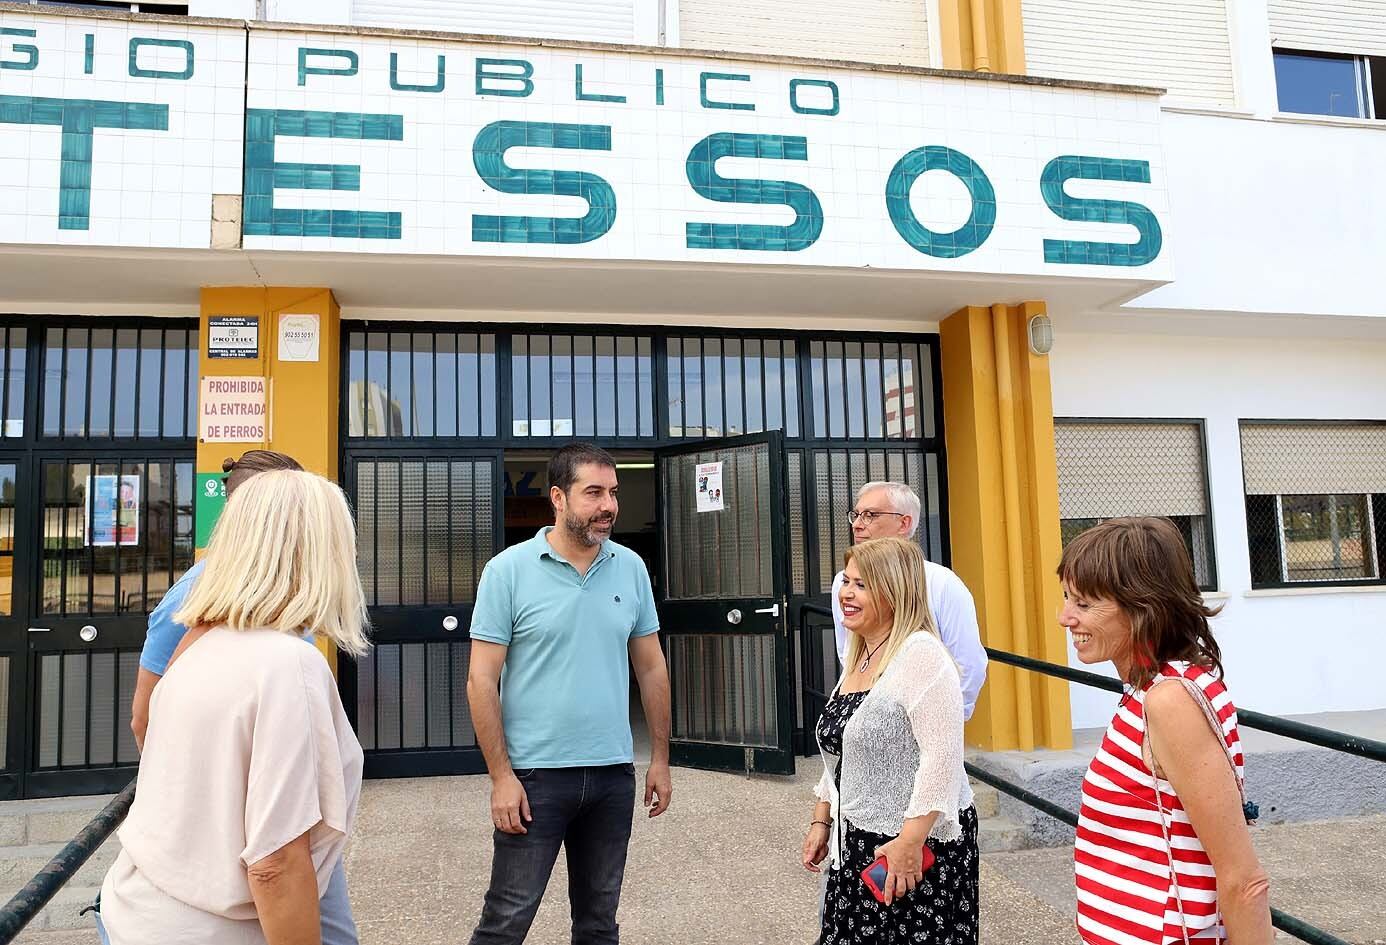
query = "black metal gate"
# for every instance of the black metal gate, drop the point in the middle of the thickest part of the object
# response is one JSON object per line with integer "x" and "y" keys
{"x": 427, "y": 522}
{"x": 848, "y": 408}
{"x": 96, "y": 493}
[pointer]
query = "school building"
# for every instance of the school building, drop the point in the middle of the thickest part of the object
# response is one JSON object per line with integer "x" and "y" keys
{"x": 1048, "y": 262}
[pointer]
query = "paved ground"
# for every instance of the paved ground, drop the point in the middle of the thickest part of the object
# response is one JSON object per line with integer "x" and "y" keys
{"x": 722, "y": 867}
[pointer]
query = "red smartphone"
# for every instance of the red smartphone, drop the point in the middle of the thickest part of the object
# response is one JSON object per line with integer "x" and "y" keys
{"x": 874, "y": 876}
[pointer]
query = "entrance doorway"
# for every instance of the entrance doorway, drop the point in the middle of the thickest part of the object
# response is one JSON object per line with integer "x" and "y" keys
{"x": 446, "y": 429}
{"x": 527, "y": 507}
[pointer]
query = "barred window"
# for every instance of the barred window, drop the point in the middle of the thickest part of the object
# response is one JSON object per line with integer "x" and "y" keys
{"x": 421, "y": 384}
{"x": 1315, "y": 501}
{"x": 581, "y": 385}
{"x": 730, "y": 385}
{"x": 872, "y": 390}
{"x": 1110, "y": 468}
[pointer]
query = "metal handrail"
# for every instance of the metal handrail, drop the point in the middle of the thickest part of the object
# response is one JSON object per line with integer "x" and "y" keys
{"x": 1281, "y": 920}
{"x": 1327, "y": 738}
{"x": 1288, "y": 728}
{"x": 26, "y": 903}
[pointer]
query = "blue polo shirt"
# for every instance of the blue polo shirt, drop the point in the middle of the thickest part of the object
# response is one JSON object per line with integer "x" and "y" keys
{"x": 163, "y": 635}
{"x": 565, "y": 689}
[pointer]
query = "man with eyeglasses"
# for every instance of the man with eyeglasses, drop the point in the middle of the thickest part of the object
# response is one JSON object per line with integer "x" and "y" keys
{"x": 892, "y": 508}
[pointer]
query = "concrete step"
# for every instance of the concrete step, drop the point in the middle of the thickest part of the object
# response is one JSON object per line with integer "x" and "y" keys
{"x": 987, "y": 800}
{"x": 47, "y": 820}
{"x": 62, "y": 911}
{"x": 1002, "y": 835}
{"x": 18, "y": 865}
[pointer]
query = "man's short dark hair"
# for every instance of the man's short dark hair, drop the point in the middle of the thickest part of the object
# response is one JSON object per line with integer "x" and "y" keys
{"x": 564, "y": 465}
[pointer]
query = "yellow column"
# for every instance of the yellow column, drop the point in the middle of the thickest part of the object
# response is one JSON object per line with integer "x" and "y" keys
{"x": 303, "y": 395}
{"x": 1003, "y": 504}
{"x": 982, "y": 35}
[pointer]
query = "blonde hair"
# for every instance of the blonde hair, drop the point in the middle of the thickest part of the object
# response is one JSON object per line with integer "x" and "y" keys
{"x": 893, "y": 570}
{"x": 283, "y": 557}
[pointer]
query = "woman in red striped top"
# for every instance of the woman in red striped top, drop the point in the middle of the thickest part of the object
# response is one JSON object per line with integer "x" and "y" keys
{"x": 1163, "y": 854}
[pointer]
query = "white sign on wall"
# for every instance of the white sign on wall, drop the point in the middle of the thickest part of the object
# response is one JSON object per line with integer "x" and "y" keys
{"x": 234, "y": 410}
{"x": 233, "y": 336}
{"x": 117, "y": 132}
{"x": 300, "y": 337}
{"x": 384, "y": 145}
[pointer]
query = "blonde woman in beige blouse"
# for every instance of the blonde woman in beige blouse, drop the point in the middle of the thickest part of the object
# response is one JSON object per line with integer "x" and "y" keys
{"x": 250, "y": 774}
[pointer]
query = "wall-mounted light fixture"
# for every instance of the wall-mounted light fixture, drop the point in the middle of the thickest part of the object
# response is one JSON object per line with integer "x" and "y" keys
{"x": 1041, "y": 332}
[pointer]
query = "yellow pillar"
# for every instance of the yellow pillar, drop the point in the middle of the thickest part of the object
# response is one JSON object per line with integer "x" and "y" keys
{"x": 1003, "y": 504}
{"x": 982, "y": 35}
{"x": 302, "y": 395}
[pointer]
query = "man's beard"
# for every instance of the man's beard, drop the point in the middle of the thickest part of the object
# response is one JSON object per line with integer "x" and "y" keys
{"x": 584, "y": 530}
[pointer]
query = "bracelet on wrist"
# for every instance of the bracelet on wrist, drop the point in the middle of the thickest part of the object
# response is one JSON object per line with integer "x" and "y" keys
{"x": 825, "y": 823}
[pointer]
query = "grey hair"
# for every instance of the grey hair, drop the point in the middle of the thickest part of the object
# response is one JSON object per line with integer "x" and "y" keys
{"x": 903, "y": 499}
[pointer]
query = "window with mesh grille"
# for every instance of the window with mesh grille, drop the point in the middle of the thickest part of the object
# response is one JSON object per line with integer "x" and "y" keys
{"x": 1315, "y": 501}
{"x": 1110, "y": 468}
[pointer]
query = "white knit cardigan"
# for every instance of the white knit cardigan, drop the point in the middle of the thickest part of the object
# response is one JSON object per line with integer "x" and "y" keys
{"x": 902, "y": 750}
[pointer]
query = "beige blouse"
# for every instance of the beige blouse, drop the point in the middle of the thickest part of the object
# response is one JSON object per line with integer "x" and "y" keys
{"x": 248, "y": 747}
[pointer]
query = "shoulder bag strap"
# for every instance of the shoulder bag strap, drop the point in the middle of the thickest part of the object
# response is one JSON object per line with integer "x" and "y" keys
{"x": 1201, "y": 698}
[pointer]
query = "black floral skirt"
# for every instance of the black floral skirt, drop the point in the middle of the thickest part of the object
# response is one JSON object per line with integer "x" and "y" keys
{"x": 942, "y": 909}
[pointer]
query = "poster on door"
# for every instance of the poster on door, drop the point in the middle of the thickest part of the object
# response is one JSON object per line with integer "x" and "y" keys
{"x": 113, "y": 511}
{"x": 709, "y": 478}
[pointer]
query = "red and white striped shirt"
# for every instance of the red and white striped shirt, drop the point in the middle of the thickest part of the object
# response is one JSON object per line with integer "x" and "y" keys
{"x": 1127, "y": 892}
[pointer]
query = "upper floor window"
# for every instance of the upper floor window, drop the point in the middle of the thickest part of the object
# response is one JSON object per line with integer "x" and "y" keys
{"x": 1319, "y": 83}
{"x": 1110, "y": 468}
{"x": 1315, "y": 501}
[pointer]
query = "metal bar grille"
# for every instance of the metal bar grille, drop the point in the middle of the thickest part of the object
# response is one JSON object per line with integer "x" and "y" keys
{"x": 1315, "y": 498}
{"x": 724, "y": 689}
{"x": 413, "y": 697}
{"x": 102, "y": 384}
{"x": 421, "y": 384}
{"x": 424, "y": 528}
{"x": 82, "y": 709}
{"x": 837, "y": 474}
{"x": 115, "y": 534}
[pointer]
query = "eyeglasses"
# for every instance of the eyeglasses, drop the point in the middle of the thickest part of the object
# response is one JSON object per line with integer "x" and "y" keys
{"x": 868, "y": 515}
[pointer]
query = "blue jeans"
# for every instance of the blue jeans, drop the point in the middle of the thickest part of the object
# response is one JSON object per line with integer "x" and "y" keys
{"x": 587, "y": 812}
{"x": 338, "y": 927}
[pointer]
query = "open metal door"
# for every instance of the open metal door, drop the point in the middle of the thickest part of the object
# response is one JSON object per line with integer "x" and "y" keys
{"x": 723, "y": 614}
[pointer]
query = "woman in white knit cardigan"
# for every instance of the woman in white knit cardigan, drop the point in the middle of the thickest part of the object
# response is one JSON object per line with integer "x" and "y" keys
{"x": 892, "y": 742}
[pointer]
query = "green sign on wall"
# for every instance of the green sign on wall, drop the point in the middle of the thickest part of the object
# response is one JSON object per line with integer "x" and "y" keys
{"x": 211, "y": 499}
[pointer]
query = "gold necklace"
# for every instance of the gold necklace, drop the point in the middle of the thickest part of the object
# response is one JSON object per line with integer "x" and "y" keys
{"x": 870, "y": 653}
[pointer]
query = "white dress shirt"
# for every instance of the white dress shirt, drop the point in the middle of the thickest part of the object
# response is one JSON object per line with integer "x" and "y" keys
{"x": 955, "y": 615}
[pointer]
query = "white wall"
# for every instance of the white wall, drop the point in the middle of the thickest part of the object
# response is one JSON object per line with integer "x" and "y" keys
{"x": 1274, "y": 216}
{"x": 1313, "y": 650}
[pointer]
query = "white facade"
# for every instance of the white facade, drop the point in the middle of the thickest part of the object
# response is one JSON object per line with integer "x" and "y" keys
{"x": 1286, "y": 651}
{"x": 1276, "y": 313}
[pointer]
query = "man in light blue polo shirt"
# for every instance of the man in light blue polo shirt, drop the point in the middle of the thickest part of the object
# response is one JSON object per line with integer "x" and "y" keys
{"x": 559, "y": 622}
